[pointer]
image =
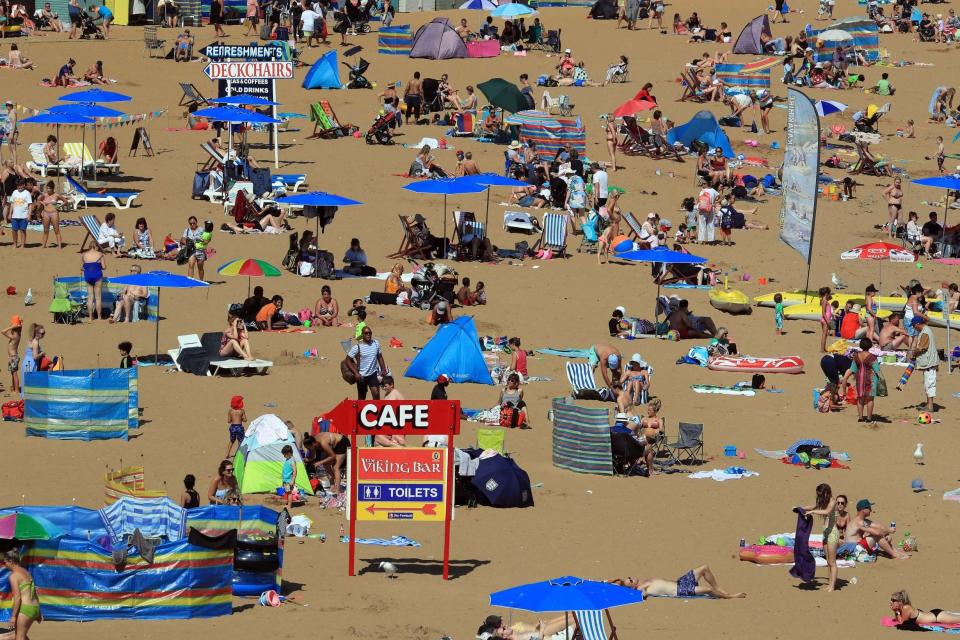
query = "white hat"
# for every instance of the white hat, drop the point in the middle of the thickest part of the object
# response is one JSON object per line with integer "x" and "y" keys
{"x": 651, "y": 215}
{"x": 621, "y": 309}
{"x": 636, "y": 359}
{"x": 621, "y": 417}
{"x": 567, "y": 51}
{"x": 514, "y": 145}
{"x": 566, "y": 171}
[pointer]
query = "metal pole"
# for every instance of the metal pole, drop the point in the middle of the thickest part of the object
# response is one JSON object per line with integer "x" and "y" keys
{"x": 946, "y": 318}
{"x": 156, "y": 344}
{"x": 487, "y": 219}
{"x": 276, "y": 131}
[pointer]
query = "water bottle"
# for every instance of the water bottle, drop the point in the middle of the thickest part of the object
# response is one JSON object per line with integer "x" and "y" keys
{"x": 893, "y": 525}
{"x": 743, "y": 543}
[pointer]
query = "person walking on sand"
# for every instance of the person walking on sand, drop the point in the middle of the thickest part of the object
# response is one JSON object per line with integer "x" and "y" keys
{"x": 925, "y": 353}
{"x": 611, "y": 132}
{"x": 13, "y": 334}
{"x": 893, "y": 194}
{"x": 826, "y": 316}
{"x": 26, "y": 605}
{"x": 236, "y": 417}
{"x": 865, "y": 369}
{"x": 826, "y": 506}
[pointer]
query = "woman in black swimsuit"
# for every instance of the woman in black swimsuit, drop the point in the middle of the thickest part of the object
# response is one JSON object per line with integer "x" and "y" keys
{"x": 334, "y": 447}
{"x": 912, "y": 619}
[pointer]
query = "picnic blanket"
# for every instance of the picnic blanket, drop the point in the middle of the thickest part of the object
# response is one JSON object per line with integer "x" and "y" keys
{"x": 941, "y": 628}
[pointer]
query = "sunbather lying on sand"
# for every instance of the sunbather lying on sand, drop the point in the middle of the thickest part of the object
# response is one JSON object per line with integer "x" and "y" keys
{"x": 559, "y": 627}
{"x": 685, "y": 586}
{"x": 909, "y": 618}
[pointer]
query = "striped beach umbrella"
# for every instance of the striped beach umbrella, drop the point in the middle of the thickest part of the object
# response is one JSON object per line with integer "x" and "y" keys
{"x": 250, "y": 267}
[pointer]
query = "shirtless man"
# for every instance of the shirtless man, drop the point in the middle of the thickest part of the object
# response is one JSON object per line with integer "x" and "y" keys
{"x": 463, "y": 30}
{"x": 686, "y": 586}
{"x": 689, "y": 325}
{"x": 469, "y": 165}
{"x": 128, "y": 296}
{"x": 892, "y": 335}
{"x": 609, "y": 358}
{"x": 871, "y": 535}
{"x": 413, "y": 97}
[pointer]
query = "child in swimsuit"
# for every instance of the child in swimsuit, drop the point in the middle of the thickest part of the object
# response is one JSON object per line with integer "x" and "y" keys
{"x": 236, "y": 416}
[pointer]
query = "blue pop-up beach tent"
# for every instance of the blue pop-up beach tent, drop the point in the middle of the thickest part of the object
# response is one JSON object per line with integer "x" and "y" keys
{"x": 454, "y": 350}
{"x": 703, "y": 127}
{"x": 324, "y": 73}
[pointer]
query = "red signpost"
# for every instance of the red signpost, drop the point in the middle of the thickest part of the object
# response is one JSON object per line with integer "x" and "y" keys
{"x": 399, "y": 484}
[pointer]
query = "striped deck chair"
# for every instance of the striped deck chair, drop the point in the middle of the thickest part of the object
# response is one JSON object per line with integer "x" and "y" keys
{"x": 582, "y": 384}
{"x": 590, "y": 626}
{"x": 635, "y": 227}
{"x": 322, "y": 127}
{"x": 464, "y": 125}
{"x": 581, "y": 438}
{"x": 80, "y": 150}
{"x": 554, "y": 235}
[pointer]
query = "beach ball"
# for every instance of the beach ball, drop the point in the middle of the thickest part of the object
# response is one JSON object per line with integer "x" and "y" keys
{"x": 673, "y": 335}
{"x": 924, "y": 418}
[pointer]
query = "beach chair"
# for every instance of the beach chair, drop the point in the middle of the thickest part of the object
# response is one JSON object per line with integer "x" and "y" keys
{"x": 218, "y": 364}
{"x": 519, "y": 221}
{"x": 636, "y": 141}
{"x": 38, "y": 162}
{"x": 554, "y": 235}
{"x": 66, "y": 309}
{"x": 289, "y": 182}
{"x": 460, "y": 221}
{"x": 464, "y": 124}
{"x": 151, "y": 43}
{"x": 216, "y": 158}
{"x": 688, "y": 447}
{"x": 560, "y": 105}
{"x": 92, "y": 225}
{"x": 192, "y": 99}
{"x": 582, "y": 384}
{"x": 551, "y": 43}
{"x": 80, "y": 150}
{"x": 80, "y": 194}
{"x": 291, "y": 258}
{"x": 494, "y": 438}
{"x": 622, "y": 74}
{"x": 691, "y": 86}
{"x": 590, "y": 626}
{"x": 635, "y": 227}
{"x": 411, "y": 245}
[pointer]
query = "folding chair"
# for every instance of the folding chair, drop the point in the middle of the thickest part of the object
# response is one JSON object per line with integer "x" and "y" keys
{"x": 411, "y": 245}
{"x": 554, "y": 237}
{"x": 635, "y": 227}
{"x": 561, "y": 104}
{"x": 66, "y": 309}
{"x": 462, "y": 219}
{"x": 635, "y": 141}
{"x": 621, "y": 75}
{"x": 216, "y": 158}
{"x": 464, "y": 125}
{"x": 590, "y": 626}
{"x": 292, "y": 257}
{"x": 552, "y": 42}
{"x": 80, "y": 150}
{"x": 688, "y": 447}
{"x": 192, "y": 99}
{"x": 92, "y": 225}
{"x": 150, "y": 41}
{"x": 492, "y": 439}
{"x": 582, "y": 384}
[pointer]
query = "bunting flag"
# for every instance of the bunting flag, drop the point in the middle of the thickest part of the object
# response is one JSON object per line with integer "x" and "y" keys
{"x": 106, "y": 123}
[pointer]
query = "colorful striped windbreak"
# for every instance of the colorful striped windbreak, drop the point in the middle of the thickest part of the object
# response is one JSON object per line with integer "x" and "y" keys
{"x": 395, "y": 40}
{"x": 736, "y": 80}
{"x": 81, "y": 404}
{"x": 581, "y": 438}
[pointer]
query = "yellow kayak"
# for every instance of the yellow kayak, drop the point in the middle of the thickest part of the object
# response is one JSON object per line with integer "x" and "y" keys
{"x": 792, "y": 298}
{"x": 811, "y": 311}
{"x": 730, "y": 300}
{"x": 936, "y": 320}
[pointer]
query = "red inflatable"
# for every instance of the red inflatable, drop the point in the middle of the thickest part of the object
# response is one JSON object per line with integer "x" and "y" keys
{"x": 746, "y": 364}
{"x": 767, "y": 554}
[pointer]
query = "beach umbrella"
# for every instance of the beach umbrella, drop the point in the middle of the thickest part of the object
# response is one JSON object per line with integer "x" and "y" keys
{"x": 488, "y": 180}
{"x": 317, "y": 199}
{"x": 88, "y": 111}
{"x": 568, "y": 593}
{"x": 512, "y": 10}
{"x": 503, "y": 93}
{"x": 159, "y": 280}
{"x": 95, "y": 96}
{"x": 59, "y": 119}
{"x": 834, "y": 35}
{"x": 827, "y": 107}
{"x": 244, "y": 100}
{"x": 447, "y": 187}
{"x": 233, "y": 115}
{"x": 631, "y": 107}
{"x": 483, "y": 5}
{"x": 881, "y": 252}
{"x": 22, "y": 526}
{"x": 941, "y": 182}
{"x": 250, "y": 267}
{"x": 503, "y": 483}
{"x": 661, "y": 256}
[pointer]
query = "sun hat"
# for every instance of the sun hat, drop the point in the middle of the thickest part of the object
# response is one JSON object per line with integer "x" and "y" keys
{"x": 567, "y": 50}
{"x": 514, "y": 145}
{"x": 620, "y": 309}
{"x": 637, "y": 359}
{"x": 651, "y": 215}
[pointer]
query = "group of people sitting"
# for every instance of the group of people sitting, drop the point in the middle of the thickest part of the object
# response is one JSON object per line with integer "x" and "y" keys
{"x": 67, "y": 76}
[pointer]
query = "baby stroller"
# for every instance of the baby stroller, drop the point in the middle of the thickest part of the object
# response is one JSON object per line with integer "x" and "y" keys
{"x": 379, "y": 131}
{"x": 357, "y": 79}
{"x": 432, "y": 100}
{"x": 89, "y": 28}
{"x": 426, "y": 286}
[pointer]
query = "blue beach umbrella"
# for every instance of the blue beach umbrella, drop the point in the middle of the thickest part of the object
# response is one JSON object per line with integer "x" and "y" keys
{"x": 95, "y": 96}
{"x": 512, "y": 10}
{"x": 483, "y": 5}
{"x": 664, "y": 256}
{"x": 941, "y": 182}
{"x": 827, "y": 107}
{"x": 445, "y": 186}
{"x": 89, "y": 111}
{"x": 568, "y": 593}
{"x": 245, "y": 100}
{"x": 160, "y": 280}
{"x": 488, "y": 180}
{"x": 233, "y": 115}
{"x": 317, "y": 199}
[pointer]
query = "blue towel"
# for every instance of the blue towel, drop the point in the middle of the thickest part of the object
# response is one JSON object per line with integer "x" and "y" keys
{"x": 589, "y": 354}
{"x": 395, "y": 541}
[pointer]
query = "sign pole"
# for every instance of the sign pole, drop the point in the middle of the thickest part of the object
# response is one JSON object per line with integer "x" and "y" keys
{"x": 449, "y": 509}
{"x": 352, "y": 483}
{"x": 276, "y": 131}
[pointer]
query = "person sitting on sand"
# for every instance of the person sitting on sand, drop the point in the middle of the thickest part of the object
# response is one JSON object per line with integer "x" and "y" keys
{"x": 394, "y": 281}
{"x": 424, "y": 167}
{"x": 65, "y": 76}
{"x": 871, "y": 536}
{"x": 442, "y": 313}
{"x": 270, "y": 316}
{"x": 326, "y": 310}
{"x": 686, "y": 586}
{"x": 688, "y": 325}
{"x": 234, "y": 342}
{"x": 909, "y": 618}
{"x": 493, "y": 627}
{"x": 17, "y": 60}
{"x": 94, "y": 74}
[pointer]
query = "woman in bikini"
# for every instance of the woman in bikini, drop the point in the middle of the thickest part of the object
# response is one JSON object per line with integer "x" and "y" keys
{"x": 234, "y": 341}
{"x": 225, "y": 483}
{"x": 611, "y": 212}
{"x": 872, "y": 308}
{"x": 910, "y": 618}
{"x": 826, "y": 316}
{"x": 326, "y": 310}
{"x": 94, "y": 74}
{"x": 26, "y": 604}
{"x": 50, "y": 216}
{"x": 826, "y": 506}
{"x": 611, "y": 132}
{"x": 893, "y": 194}
{"x": 92, "y": 265}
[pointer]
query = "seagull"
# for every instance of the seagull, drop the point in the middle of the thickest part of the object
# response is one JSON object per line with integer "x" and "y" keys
{"x": 837, "y": 282}
{"x": 389, "y": 568}
{"x": 918, "y": 453}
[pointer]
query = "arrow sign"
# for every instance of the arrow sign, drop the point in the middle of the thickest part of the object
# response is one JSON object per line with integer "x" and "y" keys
{"x": 428, "y": 509}
{"x": 249, "y": 70}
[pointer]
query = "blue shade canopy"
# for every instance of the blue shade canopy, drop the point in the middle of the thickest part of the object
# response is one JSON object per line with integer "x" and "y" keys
{"x": 512, "y": 10}
{"x": 568, "y": 593}
{"x": 447, "y": 186}
{"x": 234, "y": 115}
{"x": 483, "y": 5}
{"x": 57, "y": 118}
{"x": 317, "y": 199}
{"x": 86, "y": 110}
{"x": 454, "y": 351}
{"x": 94, "y": 96}
{"x": 826, "y": 107}
{"x": 940, "y": 182}
{"x": 161, "y": 279}
{"x": 660, "y": 255}
{"x": 245, "y": 100}
{"x": 495, "y": 180}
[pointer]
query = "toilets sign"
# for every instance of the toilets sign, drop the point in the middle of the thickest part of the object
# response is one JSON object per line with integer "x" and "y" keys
{"x": 401, "y": 484}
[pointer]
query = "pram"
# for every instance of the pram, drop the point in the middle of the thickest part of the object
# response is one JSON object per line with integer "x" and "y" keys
{"x": 89, "y": 28}
{"x": 357, "y": 79}
{"x": 426, "y": 286}
{"x": 432, "y": 100}
{"x": 352, "y": 18}
{"x": 379, "y": 131}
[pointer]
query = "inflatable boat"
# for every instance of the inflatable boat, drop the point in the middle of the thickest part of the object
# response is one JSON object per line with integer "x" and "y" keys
{"x": 746, "y": 364}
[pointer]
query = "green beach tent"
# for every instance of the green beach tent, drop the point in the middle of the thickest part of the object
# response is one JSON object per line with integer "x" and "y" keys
{"x": 259, "y": 462}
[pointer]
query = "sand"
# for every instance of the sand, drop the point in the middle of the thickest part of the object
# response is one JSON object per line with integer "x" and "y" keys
{"x": 591, "y": 526}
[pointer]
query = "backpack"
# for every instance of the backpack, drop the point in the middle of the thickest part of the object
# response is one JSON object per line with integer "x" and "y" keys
{"x": 346, "y": 372}
{"x": 13, "y": 410}
{"x": 704, "y": 203}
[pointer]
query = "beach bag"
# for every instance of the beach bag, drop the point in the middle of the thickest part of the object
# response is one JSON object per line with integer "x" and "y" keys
{"x": 187, "y": 250}
{"x": 729, "y": 121}
{"x": 705, "y": 203}
{"x": 346, "y": 372}
{"x": 305, "y": 314}
{"x": 881, "y": 386}
{"x": 509, "y": 416}
{"x": 13, "y": 410}
{"x": 324, "y": 266}
{"x": 820, "y": 453}
{"x": 200, "y": 181}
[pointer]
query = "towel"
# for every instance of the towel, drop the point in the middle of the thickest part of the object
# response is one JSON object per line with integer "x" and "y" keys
{"x": 395, "y": 541}
{"x": 721, "y": 475}
{"x": 804, "y": 566}
{"x": 589, "y": 354}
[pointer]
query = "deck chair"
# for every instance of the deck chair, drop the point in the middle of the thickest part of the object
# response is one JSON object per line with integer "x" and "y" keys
{"x": 691, "y": 86}
{"x": 688, "y": 447}
{"x": 622, "y": 74}
{"x": 554, "y": 235}
{"x": 551, "y": 43}
{"x": 38, "y": 162}
{"x": 411, "y": 245}
{"x": 66, "y": 309}
{"x": 289, "y": 182}
{"x": 151, "y": 43}
{"x": 590, "y": 626}
{"x": 462, "y": 220}
{"x": 582, "y": 384}
{"x": 636, "y": 228}
{"x": 519, "y": 221}
{"x": 81, "y": 195}
{"x": 92, "y": 225}
{"x": 216, "y": 158}
{"x": 560, "y": 105}
{"x": 636, "y": 141}
{"x": 492, "y": 439}
{"x": 589, "y": 232}
{"x": 80, "y": 150}
{"x": 464, "y": 124}
{"x": 192, "y": 99}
